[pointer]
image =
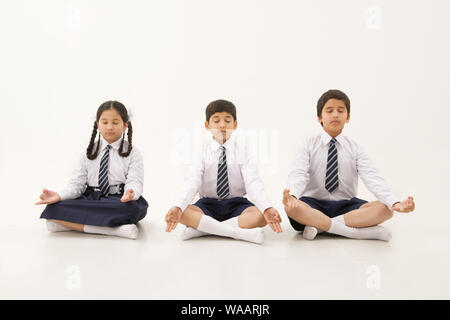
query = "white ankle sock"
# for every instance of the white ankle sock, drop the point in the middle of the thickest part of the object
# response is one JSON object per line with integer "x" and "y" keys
{"x": 126, "y": 231}
{"x": 309, "y": 233}
{"x": 189, "y": 233}
{"x": 375, "y": 232}
{"x": 55, "y": 227}
{"x": 340, "y": 219}
{"x": 233, "y": 222}
{"x": 212, "y": 226}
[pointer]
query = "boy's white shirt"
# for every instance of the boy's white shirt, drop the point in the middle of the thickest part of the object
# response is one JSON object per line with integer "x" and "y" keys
{"x": 307, "y": 175}
{"x": 243, "y": 177}
{"x": 122, "y": 170}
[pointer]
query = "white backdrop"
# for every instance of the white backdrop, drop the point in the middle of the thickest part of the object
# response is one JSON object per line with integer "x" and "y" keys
{"x": 166, "y": 60}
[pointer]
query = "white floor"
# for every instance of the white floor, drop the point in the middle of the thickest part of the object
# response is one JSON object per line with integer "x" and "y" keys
{"x": 36, "y": 264}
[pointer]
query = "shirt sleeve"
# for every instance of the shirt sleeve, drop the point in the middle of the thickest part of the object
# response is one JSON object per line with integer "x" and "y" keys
{"x": 373, "y": 180}
{"x": 135, "y": 176}
{"x": 299, "y": 175}
{"x": 77, "y": 182}
{"x": 253, "y": 184}
{"x": 192, "y": 181}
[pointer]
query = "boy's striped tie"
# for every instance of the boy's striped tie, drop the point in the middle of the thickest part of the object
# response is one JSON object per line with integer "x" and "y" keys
{"x": 103, "y": 173}
{"x": 223, "y": 189}
{"x": 331, "y": 178}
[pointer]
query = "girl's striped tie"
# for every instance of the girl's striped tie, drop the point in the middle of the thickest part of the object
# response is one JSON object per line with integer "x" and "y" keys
{"x": 103, "y": 173}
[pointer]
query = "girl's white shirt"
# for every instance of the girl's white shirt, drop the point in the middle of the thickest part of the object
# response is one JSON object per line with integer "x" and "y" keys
{"x": 122, "y": 170}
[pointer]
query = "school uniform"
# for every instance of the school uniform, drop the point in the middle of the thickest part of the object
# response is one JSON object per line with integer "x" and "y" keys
{"x": 92, "y": 196}
{"x": 325, "y": 175}
{"x": 222, "y": 175}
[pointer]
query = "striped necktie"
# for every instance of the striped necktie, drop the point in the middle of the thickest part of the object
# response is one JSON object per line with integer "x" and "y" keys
{"x": 103, "y": 173}
{"x": 332, "y": 179}
{"x": 223, "y": 189}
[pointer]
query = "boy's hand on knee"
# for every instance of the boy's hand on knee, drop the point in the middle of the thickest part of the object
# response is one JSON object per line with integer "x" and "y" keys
{"x": 289, "y": 201}
{"x": 128, "y": 195}
{"x": 48, "y": 197}
{"x": 172, "y": 218}
{"x": 273, "y": 219}
{"x": 407, "y": 205}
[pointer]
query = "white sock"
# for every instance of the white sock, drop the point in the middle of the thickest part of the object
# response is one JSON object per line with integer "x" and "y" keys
{"x": 189, "y": 233}
{"x": 212, "y": 226}
{"x": 340, "y": 219}
{"x": 126, "y": 231}
{"x": 233, "y": 222}
{"x": 55, "y": 227}
{"x": 375, "y": 232}
{"x": 309, "y": 233}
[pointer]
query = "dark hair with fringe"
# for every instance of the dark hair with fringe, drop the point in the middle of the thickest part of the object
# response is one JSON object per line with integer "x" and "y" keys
{"x": 332, "y": 94}
{"x": 120, "y": 108}
{"x": 220, "y": 106}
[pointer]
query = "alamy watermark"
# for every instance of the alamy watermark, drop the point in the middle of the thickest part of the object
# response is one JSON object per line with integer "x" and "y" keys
{"x": 263, "y": 145}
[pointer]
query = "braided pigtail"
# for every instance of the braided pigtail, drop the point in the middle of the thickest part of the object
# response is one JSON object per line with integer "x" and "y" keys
{"x": 130, "y": 141}
{"x": 90, "y": 155}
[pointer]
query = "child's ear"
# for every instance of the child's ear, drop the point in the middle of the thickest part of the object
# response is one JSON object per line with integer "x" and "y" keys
{"x": 235, "y": 124}
{"x": 125, "y": 126}
{"x": 206, "y": 125}
{"x": 319, "y": 119}
{"x": 348, "y": 118}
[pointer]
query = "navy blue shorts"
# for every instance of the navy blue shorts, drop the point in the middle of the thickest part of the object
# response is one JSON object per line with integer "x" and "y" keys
{"x": 329, "y": 208}
{"x": 222, "y": 210}
{"x": 92, "y": 208}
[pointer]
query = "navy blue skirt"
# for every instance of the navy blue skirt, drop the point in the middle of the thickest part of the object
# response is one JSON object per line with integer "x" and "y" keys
{"x": 92, "y": 208}
{"x": 329, "y": 208}
{"x": 225, "y": 209}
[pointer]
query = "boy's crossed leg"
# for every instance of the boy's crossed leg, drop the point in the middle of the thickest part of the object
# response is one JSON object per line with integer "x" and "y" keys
{"x": 349, "y": 226}
{"x": 368, "y": 215}
{"x": 247, "y": 226}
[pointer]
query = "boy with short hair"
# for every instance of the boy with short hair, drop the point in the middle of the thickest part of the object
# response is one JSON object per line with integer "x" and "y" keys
{"x": 323, "y": 183}
{"x": 222, "y": 173}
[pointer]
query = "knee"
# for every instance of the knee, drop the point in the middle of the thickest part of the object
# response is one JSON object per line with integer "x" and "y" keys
{"x": 133, "y": 207}
{"x": 258, "y": 219}
{"x": 261, "y": 222}
{"x": 252, "y": 218}
{"x": 296, "y": 211}
{"x": 191, "y": 209}
{"x": 383, "y": 211}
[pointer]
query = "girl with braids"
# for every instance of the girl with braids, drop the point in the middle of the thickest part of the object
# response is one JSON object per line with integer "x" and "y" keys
{"x": 104, "y": 192}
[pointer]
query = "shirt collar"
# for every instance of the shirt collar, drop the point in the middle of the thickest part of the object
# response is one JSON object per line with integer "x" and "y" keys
{"x": 229, "y": 144}
{"x": 115, "y": 145}
{"x": 326, "y": 138}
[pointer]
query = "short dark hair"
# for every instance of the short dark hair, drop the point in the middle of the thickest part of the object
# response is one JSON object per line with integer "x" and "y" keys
{"x": 220, "y": 106}
{"x": 332, "y": 94}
